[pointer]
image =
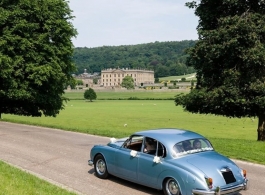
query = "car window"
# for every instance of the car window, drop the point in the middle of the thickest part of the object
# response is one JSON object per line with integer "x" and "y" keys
{"x": 134, "y": 143}
{"x": 150, "y": 146}
{"x": 161, "y": 150}
{"x": 154, "y": 147}
{"x": 191, "y": 146}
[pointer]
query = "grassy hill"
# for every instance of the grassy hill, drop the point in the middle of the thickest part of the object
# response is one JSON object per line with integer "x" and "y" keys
{"x": 178, "y": 78}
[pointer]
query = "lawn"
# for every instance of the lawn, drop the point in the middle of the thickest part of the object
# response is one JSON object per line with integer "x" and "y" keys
{"x": 15, "y": 182}
{"x": 125, "y": 95}
{"x": 233, "y": 137}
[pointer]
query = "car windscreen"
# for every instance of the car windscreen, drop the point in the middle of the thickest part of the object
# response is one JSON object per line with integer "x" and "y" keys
{"x": 191, "y": 146}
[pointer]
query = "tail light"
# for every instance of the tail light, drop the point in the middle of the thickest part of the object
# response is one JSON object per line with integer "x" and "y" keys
{"x": 244, "y": 173}
{"x": 209, "y": 182}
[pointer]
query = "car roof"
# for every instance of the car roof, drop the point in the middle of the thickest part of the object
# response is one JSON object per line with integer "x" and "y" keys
{"x": 169, "y": 136}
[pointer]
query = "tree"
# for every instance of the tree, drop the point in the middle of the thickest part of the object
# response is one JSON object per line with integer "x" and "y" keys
{"x": 35, "y": 56}
{"x": 72, "y": 83}
{"x": 95, "y": 80}
{"x": 162, "y": 71}
{"x": 229, "y": 59}
{"x": 128, "y": 82}
{"x": 90, "y": 94}
{"x": 79, "y": 82}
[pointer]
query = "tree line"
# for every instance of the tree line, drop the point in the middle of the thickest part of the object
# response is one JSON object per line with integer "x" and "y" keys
{"x": 165, "y": 58}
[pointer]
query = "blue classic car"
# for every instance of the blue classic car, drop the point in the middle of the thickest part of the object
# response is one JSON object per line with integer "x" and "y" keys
{"x": 179, "y": 162}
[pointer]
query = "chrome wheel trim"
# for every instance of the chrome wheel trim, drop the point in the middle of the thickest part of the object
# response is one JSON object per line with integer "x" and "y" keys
{"x": 172, "y": 187}
{"x": 101, "y": 167}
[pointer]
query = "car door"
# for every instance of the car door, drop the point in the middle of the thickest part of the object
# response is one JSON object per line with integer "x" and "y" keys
{"x": 148, "y": 170}
{"x": 126, "y": 164}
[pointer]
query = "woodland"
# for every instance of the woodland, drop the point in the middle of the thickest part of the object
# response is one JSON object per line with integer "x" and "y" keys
{"x": 165, "y": 58}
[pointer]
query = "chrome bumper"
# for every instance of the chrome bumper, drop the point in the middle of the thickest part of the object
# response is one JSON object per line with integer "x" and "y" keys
{"x": 90, "y": 163}
{"x": 219, "y": 191}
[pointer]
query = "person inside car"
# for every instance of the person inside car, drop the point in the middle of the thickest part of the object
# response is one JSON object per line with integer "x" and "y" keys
{"x": 197, "y": 144}
{"x": 186, "y": 145}
{"x": 150, "y": 146}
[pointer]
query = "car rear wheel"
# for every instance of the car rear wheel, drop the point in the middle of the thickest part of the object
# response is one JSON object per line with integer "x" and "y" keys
{"x": 100, "y": 167}
{"x": 171, "y": 187}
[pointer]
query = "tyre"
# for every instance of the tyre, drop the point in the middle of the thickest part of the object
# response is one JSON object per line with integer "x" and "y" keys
{"x": 171, "y": 187}
{"x": 100, "y": 167}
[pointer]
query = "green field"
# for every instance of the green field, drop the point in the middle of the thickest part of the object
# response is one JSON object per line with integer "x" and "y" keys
{"x": 174, "y": 78}
{"x": 125, "y": 95}
{"x": 233, "y": 137}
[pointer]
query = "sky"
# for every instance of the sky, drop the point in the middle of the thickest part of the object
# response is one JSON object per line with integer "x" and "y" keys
{"x": 131, "y": 22}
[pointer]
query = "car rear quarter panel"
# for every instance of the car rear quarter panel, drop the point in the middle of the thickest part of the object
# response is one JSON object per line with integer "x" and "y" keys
{"x": 108, "y": 153}
{"x": 186, "y": 176}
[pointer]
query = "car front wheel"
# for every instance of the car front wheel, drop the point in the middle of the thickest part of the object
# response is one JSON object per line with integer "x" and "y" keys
{"x": 171, "y": 187}
{"x": 100, "y": 167}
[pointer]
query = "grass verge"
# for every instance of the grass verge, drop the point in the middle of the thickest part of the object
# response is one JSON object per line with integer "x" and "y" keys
{"x": 17, "y": 182}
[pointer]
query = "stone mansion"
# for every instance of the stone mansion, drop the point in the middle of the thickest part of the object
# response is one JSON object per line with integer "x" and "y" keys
{"x": 113, "y": 77}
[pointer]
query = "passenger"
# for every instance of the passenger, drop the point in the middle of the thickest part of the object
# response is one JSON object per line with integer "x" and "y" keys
{"x": 187, "y": 145}
{"x": 197, "y": 144}
{"x": 150, "y": 146}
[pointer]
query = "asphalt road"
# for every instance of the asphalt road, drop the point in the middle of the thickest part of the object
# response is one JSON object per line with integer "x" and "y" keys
{"x": 61, "y": 158}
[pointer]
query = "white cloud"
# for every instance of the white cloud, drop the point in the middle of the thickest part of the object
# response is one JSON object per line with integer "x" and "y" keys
{"x": 127, "y": 22}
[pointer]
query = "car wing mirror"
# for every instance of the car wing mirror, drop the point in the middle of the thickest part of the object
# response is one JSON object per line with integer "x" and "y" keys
{"x": 157, "y": 159}
{"x": 133, "y": 153}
